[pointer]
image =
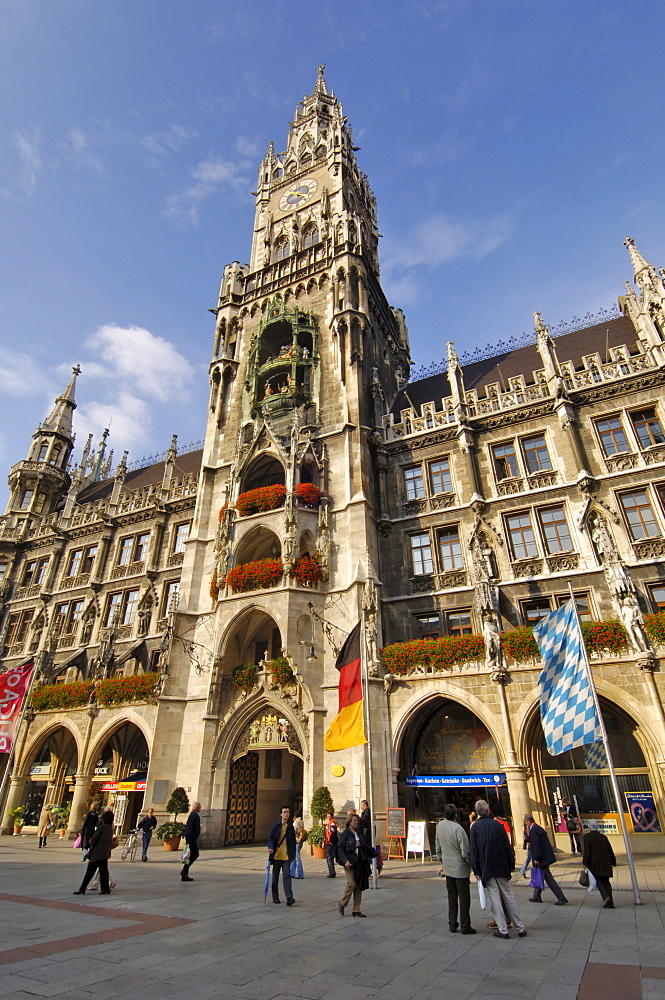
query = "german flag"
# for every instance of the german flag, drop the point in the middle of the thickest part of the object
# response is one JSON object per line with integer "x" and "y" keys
{"x": 347, "y": 728}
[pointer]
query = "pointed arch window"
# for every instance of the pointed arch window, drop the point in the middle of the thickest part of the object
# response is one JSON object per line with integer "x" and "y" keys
{"x": 55, "y": 454}
{"x": 282, "y": 249}
{"x": 43, "y": 451}
{"x": 310, "y": 236}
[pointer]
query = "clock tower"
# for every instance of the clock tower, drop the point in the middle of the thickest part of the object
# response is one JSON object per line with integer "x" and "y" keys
{"x": 282, "y": 559}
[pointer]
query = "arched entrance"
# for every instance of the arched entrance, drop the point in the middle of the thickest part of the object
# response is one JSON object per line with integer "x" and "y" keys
{"x": 51, "y": 777}
{"x": 266, "y": 774}
{"x": 120, "y": 770}
{"x": 448, "y": 755}
{"x": 582, "y": 776}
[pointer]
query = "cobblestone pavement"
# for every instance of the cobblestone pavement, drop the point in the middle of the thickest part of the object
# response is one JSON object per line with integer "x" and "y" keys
{"x": 215, "y": 937}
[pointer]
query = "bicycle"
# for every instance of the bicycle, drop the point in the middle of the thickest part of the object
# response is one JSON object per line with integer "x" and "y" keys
{"x": 130, "y": 846}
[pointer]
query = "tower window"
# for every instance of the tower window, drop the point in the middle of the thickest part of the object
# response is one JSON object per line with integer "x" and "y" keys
{"x": 612, "y": 435}
{"x": 43, "y": 451}
{"x": 310, "y": 236}
{"x": 505, "y": 461}
{"x": 413, "y": 481}
{"x": 181, "y": 536}
{"x": 282, "y": 249}
{"x": 26, "y": 498}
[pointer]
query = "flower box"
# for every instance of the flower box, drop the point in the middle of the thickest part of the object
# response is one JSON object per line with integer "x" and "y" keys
{"x": 307, "y": 570}
{"x": 440, "y": 654}
{"x": 258, "y": 575}
{"x": 244, "y": 676}
{"x": 308, "y": 494}
{"x": 120, "y": 690}
{"x": 655, "y": 627}
{"x": 261, "y": 499}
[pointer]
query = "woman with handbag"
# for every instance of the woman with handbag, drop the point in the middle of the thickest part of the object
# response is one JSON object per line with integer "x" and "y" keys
{"x": 356, "y": 854}
{"x": 46, "y": 824}
{"x": 87, "y": 829}
{"x": 102, "y": 843}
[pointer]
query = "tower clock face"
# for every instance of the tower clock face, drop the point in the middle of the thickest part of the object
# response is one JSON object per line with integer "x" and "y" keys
{"x": 297, "y": 194}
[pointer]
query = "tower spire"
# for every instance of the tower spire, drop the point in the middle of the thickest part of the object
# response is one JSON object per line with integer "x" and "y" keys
{"x": 59, "y": 420}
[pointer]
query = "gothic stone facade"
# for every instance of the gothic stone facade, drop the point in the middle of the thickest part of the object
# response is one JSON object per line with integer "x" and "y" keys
{"x": 460, "y": 503}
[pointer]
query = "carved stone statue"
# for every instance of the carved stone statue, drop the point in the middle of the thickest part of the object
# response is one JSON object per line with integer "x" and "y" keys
{"x": 323, "y": 544}
{"x": 483, "y": 573}
{"x": 388, "y": 681}
{"x": 634, "y": 624}
{"x": 618, "y": 580}
{"x": 492, "y": 638}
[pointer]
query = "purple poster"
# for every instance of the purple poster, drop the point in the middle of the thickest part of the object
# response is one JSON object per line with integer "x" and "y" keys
{"x": 642, "y": 809}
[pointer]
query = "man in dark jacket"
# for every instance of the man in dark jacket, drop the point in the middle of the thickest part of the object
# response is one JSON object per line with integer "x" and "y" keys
{"x": 146, "y": 826}
{"x": 492, "y": 861}
{"x": 192, "y": 834}
{"x": 365, "y": 823}
{"x": 282, "y": 851}
{"x": 599, "y": 858}
{"x": 542, "y": 856}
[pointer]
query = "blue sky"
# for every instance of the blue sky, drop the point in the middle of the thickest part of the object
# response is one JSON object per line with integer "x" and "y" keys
{"x": 511, "y": 146}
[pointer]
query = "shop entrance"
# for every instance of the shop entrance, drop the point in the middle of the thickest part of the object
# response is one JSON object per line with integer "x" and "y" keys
{"x": 51, "y": 779}
{"x": 120, "y": 775}
{"x": 448, "y": 755}
{"x": 266, "y": 774}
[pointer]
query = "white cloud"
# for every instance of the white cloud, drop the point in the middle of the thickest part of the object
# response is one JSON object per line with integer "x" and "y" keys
{"x": 163, "y": 142}
{"x": 441, "y": 239}
{"x": 209, "y": 177}
{"x": 127, "y": 416}
{"x": 138, "y": 359}
{"x": 27, "y": 141}
{"x": 79, "y": 150}
{"x": 20, "y": 375}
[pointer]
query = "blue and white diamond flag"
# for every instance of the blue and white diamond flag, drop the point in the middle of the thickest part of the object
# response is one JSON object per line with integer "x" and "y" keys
{"x": 567, "y": 706}
{"x": 595, "y": 757}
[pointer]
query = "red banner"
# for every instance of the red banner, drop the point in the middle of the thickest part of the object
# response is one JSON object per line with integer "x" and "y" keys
{"x": 13, "y": 685}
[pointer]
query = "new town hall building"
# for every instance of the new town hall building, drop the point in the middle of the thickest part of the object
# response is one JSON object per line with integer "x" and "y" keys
{"x": 188, "y": 637}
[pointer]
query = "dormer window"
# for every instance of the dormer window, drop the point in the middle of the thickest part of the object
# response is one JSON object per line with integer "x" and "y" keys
{"x": 282, "y": 249}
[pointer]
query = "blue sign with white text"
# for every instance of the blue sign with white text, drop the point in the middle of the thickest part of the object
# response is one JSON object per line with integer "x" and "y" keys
{"x": 453, "y": 780}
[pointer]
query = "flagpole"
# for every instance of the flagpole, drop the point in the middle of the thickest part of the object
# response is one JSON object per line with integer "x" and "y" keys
{"x": 364, "y": 673}
{"x": 610, "y": 762}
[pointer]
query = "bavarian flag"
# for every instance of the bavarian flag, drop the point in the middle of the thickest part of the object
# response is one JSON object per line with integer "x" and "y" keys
{"x": 347, "y": 728}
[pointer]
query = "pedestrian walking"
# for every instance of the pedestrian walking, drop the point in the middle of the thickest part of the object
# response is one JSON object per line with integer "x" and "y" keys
{"x": 492, "y": 861}
{"x": 453, "y": 851}
{"x": 573, "y": 826}
{"x": 102, "y": 843}
{"x": 525, "y": 847}
{"x": 330, "y": 840}
{"x": 191, "y": 835}
{"x": 146, "y": 826}
{"x": 365, "y": 820}
{"x": 300, "y": 834}
{"x": 46, "y": 824}
{"x": 598, "y": 856}
{"x": 542, "y": 856}
{"x": 356, "y": 854}
{"x": 282, "y": 851}
{"x": 88, "y": 827}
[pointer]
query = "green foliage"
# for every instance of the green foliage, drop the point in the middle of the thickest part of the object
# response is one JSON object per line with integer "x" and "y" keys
{"x": 121, "y": 690}
{"x": 49, "y": 696}
{"x": 178, "y": 803}
{"x": 168, "y": 830}
{"x": 441, "y": 654}
{"x": 322, "y": 803}
{"x": 16, "y": 815}
{"x": 316, "y": 836}
{"x": 280, "y": 671}
{"x": 520, "y": 645}
{"x": 244, "y": 676}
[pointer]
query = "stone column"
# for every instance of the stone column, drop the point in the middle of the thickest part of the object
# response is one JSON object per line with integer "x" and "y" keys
{"x": 516, "y": 773}
{"x": 83, "y": 777}
{"x": 17, "y": 783}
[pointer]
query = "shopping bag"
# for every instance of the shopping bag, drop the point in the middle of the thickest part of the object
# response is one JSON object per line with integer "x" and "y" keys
{"x": 186, "y": 855}
{"x": 537, "y": 880}
{"x": 592, "y": 882}
{"x": 77, "y": 842}
{"x": 584, "y": 879}
{"x": 481, "y": 895}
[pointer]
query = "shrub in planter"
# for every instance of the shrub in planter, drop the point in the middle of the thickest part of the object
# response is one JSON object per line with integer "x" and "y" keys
{"x": 257, "y": 575}
{"x": 655, "y": 627}
{"x": 307, "y": 570}
{"x": 120, "y": 690}
{"x": 244, "y": 676}
{"x": 308, "y": 493}
{"x": 178, "y": 803}
{"x": 520, "y": 644}
{"x": 168, "y": 831}
{"x": 61, "y": 695}
{"x": 16, "y": 818}
{"x": 322, "y": 804}
{"x": 316, "y": 836}
{"x": 604, "y": 637}
{"x": 441, "y": 654}
{"x": 280, "y": 671}
{"x": 262, "y": 499}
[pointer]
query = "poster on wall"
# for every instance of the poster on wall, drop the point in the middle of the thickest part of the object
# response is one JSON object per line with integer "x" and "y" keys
{"x": 643, "y": 813}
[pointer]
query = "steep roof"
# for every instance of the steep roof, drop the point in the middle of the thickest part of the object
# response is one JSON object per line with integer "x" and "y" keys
{"x": 522, "y": 361}
{"x": 138, "y": 479}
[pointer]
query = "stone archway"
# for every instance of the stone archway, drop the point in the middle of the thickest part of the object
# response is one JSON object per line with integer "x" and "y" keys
{"x": 266, "y": 772}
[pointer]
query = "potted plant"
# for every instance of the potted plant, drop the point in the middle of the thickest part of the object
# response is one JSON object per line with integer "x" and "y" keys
{"x": 171, "y": 833}
{"x": 315, "y": 838}
{"x": 16, "y": 816}
{"x": 63, "y": 820}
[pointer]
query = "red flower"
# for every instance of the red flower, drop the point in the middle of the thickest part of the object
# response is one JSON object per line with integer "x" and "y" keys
{"x": 520, "y": 644}
{"x": 262, "y": 499}
{"x": 655, "y": 627}
{"x": 441, "y": 654}
{"x": 307, "y": 570}
{"x": 257, "y": 575}
{"x": 244, "y": 676}
{"x": 308, "y": 493}
{"x": 214, "y": 587}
